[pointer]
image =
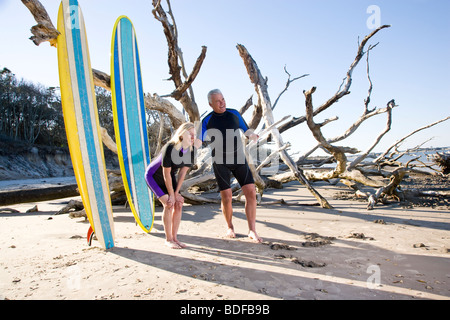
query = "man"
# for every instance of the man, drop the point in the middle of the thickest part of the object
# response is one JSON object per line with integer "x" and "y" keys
{"x": 221, "y": 127}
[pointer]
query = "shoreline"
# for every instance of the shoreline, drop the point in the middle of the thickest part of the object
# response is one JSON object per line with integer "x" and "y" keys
{"x": 309, "y": 253}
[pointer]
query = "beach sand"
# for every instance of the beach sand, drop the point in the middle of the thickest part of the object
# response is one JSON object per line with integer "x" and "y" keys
{"x": 308, "y": 253}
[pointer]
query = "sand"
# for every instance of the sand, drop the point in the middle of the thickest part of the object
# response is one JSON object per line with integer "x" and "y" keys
{"x": 309, "y": 253}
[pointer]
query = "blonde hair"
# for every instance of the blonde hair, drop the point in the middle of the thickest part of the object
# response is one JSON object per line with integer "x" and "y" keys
{"x": 177, "y": 137}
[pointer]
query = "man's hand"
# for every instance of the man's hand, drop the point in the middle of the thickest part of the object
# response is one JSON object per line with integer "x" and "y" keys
{"x": 250, "y": 134}
{"x": 254, "y": 137}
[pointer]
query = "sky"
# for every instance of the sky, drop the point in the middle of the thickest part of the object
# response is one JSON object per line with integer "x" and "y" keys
{"x": 411, "y": 63}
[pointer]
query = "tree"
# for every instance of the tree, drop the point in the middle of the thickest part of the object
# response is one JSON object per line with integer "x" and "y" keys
{"x": 30, "y": 112}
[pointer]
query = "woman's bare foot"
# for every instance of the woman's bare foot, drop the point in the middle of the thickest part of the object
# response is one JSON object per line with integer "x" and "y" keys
{"x": 172, "y": 245}
{"x": 230, "y": 233}
{"x": 254, "y": 237}
{"x": 181, "y": 244}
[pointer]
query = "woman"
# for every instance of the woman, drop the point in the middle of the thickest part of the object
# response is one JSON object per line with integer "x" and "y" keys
{"x": 176, "y": 155}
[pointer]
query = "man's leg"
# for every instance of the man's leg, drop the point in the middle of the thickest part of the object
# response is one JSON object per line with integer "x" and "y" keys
{"x": 227, "y": 210}
{"x": 223, "y": 175}
{"x": 250, "y": 210}
{"x": 245, "y": 179}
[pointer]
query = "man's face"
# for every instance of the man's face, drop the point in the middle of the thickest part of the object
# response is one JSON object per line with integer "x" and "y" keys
{"x": 218, "y": 103}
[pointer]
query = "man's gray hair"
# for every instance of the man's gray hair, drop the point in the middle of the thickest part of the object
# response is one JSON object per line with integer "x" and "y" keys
{"x": 213, "y": 92}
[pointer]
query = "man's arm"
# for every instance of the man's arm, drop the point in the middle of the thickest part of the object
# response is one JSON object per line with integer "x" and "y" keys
{"x": 249, "y": 133}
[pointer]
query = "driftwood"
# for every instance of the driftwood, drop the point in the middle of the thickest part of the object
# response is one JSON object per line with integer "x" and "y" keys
{"x": 343, "y": 170}
{"x": 64, "y": 191}
{"x": 393, "y": 190}
{"x": 175, "y": 59}
{"x": 9, "y": 210}
{"x": 291, "y": 203}
{"x": 37, "y": 194}
{"x": 72, "y": 205}
{"x": 443, "y": 161}
{"x": 44, "y": 30}
{"x": 261, "y": 88}
{"x": 390, "y": 189}
{"x": 339, "y": 152}
{"x": 155, "y": 102}
{"x": 343, "y": 90}
{"x": 398, "y": 142}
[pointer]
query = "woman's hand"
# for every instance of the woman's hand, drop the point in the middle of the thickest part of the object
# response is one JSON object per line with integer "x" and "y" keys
{"x": 179, "y": 198}
{"x": 170, "y": 201}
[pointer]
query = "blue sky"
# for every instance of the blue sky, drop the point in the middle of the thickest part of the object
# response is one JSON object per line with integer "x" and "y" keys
{"x": 411, "y": 63}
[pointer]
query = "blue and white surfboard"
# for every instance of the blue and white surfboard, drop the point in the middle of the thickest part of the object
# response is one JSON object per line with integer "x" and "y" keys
{"x": 81, "y": 121}
{"x": 130, "y": 121}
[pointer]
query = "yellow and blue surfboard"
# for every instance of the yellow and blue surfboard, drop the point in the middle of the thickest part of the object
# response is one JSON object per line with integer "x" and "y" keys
{"x": 81, "y": 121}
{"x": 130, "y": 121}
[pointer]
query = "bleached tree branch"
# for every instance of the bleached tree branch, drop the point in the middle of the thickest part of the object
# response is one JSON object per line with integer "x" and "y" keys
{"x": 398, "y": 142}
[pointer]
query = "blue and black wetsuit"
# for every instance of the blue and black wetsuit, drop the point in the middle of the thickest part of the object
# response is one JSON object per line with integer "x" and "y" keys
{"x": 222, "y": 131}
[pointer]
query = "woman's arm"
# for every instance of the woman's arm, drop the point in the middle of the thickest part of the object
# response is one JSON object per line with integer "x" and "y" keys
{"x": 181, "y": 176}
{"x": 168, "y": 181}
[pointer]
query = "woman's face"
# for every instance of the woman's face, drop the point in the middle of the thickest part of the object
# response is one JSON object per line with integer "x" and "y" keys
{"x": 189, "y": 136}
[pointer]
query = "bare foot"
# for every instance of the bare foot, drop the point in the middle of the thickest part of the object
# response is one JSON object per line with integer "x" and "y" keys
{"x": 230, "y": 233}
{"x": 172, "y": 245}
{"x": 254, "y": 237}
{"x": 181, "y": 244}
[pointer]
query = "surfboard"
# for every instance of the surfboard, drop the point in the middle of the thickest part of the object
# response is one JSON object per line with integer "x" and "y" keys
{"x": 81, "y": 121}
{"x": 130, "y": 121}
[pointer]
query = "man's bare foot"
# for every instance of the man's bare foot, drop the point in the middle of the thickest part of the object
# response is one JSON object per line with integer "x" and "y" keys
{"x": 254, "y": 237}
{"x": 172, "y": 245}
{"x": 230, "y": 233}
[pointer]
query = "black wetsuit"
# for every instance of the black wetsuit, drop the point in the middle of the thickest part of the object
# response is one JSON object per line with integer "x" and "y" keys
{"x": 222, "y": 131}
{"x": 169, "y": 157}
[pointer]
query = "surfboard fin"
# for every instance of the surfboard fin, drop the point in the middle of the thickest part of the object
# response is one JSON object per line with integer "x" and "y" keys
{"x": 90, "y": 235}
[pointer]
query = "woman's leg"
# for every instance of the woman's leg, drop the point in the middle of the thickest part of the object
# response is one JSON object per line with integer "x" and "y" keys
{"x": 168, "y": 222}
{"x": 176, "y": 220}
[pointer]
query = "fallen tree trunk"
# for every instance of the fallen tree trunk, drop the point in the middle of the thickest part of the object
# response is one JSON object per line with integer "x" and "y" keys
{"x": 53, "y": 191}
{"x": 443, "y": 161}
{"x": 37, "y": 194}
{"x": 389, "y": 189}
{"x": 426, "y": 193}
{"x": 73, "y": 204}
